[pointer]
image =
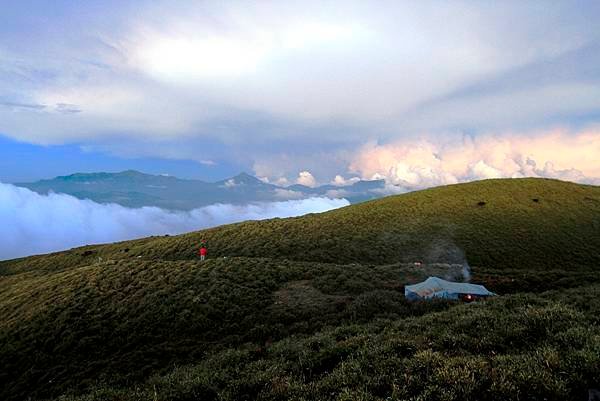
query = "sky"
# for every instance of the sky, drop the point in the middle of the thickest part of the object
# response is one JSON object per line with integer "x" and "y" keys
{"x": 419, "y": 93}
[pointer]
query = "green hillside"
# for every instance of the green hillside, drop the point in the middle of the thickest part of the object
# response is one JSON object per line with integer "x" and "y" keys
{"x": 313, "y": 307}
{"x": 533, "y": 222}
{"x": 505, "y": 223}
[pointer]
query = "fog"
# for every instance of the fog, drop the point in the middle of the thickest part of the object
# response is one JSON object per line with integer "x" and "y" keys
{"x": 31, "y": 223}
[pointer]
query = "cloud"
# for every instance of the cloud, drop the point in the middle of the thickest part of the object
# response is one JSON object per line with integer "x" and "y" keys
{"x": 389, "y": 189}
{"x": 67, "y": 108}
{"x": 424, "y": 163}
{"x": 340, "y": 181}
{"x": 281, "y": 181}
{"x": 22, "y": 106}
{"x": 517, "y": 108}
{"x": 306, "y": 178}
{"x": 230, "y": 183}
{"x": 33, "y": 223}
{"x": 161, "y": 71}
{"x": 281, "y": 166}
{"x": 358, "y": 63}
{"x": 165, "y": 80}
{"x": 287, "y": 194}
{"x": 337, "y": 193}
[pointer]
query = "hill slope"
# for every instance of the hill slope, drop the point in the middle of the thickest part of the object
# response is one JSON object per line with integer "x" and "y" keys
{"x": 325, "y": 289}
{"x": 505, "y": 223}
{"x": 540, "y": 223}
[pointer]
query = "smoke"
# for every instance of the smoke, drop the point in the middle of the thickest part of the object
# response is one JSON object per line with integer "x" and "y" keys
{"x": 31, "y": 223}
{"x": 444, "y": 253}
{"x": 466, "y": 272}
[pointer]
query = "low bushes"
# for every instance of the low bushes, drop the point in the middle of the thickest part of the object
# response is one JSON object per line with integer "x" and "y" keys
{"x": 516, "y": 348}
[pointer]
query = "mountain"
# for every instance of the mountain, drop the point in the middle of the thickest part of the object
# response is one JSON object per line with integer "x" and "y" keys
{"x": 313, "y": 308}
{"x": 134, "y": 189}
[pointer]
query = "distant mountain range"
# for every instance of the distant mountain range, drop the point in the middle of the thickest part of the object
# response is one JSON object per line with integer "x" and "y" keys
{"x": 135, "y": 189}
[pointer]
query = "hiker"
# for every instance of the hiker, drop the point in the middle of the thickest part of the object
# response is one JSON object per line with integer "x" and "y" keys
{"x": 202, "y": 251}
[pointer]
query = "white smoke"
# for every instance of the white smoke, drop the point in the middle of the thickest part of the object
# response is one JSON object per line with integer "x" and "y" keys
{"x": 466, "y": 272}
{"x": 31, "y": 223}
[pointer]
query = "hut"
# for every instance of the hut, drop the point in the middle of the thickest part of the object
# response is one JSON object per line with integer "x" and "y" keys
{"x": 435, "y": 287}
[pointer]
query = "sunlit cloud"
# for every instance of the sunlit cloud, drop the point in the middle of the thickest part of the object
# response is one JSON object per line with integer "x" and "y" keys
{"x": 306, "y": 178}
{"x": 182, "y": 59}
{"x": 424, "y": 163}
{"x": 190, "y": 57}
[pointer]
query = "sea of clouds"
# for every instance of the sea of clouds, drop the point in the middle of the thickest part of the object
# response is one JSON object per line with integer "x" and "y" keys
{"x": 31, "y": 223}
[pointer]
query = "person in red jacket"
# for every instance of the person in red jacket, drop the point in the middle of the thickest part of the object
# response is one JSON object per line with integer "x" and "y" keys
{"x": 203, "y": 251}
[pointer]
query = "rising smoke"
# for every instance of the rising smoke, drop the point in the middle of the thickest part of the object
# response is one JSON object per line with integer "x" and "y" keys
{"x": 466, "y": 272}
{"x": 33, "y": 223}
{"x": 443, "y": 253}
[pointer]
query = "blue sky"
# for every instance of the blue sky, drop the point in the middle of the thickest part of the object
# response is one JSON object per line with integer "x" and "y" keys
{"x": 419, "y": 93}
{"x": 24, "y": 162}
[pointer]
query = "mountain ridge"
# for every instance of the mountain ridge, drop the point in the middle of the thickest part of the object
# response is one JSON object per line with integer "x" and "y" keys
{"x": 132, "y": 188}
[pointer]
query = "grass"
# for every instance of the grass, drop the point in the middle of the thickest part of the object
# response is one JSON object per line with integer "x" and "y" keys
{"x": 513, "y": 348}
{"x": 126, "y": 319}
{"x": 313, "y": 307}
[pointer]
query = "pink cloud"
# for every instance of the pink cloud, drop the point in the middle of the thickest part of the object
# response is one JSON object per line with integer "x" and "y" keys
{"x": 573, "y": 156}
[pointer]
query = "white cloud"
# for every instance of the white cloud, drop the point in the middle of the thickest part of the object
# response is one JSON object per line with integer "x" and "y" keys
{"x": 424, "y": 163}
{"x": 168, "y": 72}
{"x": 33, "y": 223}
{"x": 279, "y": 181}
{"x": 389, "y": 189}
{"x": 287, "y": 194}
{"x": 483, "y": 171}
{"x": 282, "y": 182}
{"x": 337, "y": 193}
{"x": 307, "y": 179}
{"x": 342, "y": 182}
{"x": 282, "y": 167}
{"x": 230, "y": 183}
{"x": 358, "y": 63}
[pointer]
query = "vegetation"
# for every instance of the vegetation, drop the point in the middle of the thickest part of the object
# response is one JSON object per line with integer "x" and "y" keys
{"x": 313, "y": 307}
{"x": 512, "y": 348}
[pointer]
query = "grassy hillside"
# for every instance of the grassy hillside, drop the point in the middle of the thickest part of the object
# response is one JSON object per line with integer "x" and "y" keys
{"x": 505, "y": 223}
{"x": 511, "y": 229}
{"x": 511, "y": 348}
{"x": 313, "y": 306}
